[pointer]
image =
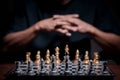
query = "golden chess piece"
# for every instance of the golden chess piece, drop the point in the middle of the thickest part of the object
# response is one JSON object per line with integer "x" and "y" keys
{"x": 28, "y": 57}
{"x": 57, "y": 59}
{"x": 86, "y": 58}
{"x": 77, "y": 57}
{"x": 66, "y": 49}
{"x": 57, "y": 50}
{"x": 47, "y": 60}
{"x": 57, "y": 55}
{"x": 37, "y": 61}
{"x": 96, "y": 58}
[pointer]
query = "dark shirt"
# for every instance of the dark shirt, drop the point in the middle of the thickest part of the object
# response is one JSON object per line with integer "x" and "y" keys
{"x": 91, "y": 11}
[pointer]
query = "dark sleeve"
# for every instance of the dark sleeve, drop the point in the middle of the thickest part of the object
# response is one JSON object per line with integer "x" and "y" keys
{"x": 19, "y": 21}
{"x": 18, "y": 24}
{"x": 105, "y": 20}
{"x": 10, "y": 23}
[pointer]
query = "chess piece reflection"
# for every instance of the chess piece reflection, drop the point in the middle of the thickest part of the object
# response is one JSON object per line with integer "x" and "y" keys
{"x": 37, "y": 61}
{"x": 57, "y": 55}
{"x": 47, "y": 57}
{"x": 96, "y": 58}
{"x": 86, "y": 58}
{"x": 28, "y": 57}
{"x": 76, "y": 57}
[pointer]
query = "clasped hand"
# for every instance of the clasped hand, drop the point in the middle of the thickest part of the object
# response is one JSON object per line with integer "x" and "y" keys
{"x": 64, "y": 24}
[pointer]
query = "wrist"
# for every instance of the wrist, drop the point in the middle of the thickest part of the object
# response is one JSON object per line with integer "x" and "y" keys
{"x": 92, "y": 30}
{"x": 35, "y": 29}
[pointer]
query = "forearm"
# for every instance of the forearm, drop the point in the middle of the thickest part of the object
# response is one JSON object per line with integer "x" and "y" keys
{"x": 19, "y": 40}
{"x": 107, "y": 41}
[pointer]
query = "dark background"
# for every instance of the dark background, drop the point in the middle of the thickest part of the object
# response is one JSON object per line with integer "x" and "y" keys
{"x": 8, "y": 9}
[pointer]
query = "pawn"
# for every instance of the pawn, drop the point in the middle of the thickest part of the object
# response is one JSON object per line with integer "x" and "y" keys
{"x": 28, "y": 57}
{"x": 37, "y": 61}
{"x": 76, "y": 57}
{"x": 86, "y": 58}
{"x": 47, "y": 57}
{"x": 96, "y": 58}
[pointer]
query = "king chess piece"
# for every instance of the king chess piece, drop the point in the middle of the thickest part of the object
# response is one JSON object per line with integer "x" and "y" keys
{"x": 67, "y": 60}
{"x": 67, "y": 57}
{"x": 57, "y": 55}
{"x": 66, "y": 49}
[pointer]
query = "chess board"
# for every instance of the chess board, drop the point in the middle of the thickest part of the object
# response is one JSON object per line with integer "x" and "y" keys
{"x": 52, "y": 68}
{"x": 81, "y": 71}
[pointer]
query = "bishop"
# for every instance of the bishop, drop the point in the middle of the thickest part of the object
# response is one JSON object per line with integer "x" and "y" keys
{"x": 37, "y": 61}
{"x": 47, "y": 57}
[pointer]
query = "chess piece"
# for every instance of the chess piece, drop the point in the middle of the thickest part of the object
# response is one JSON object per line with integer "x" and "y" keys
{"x": 37, "y": 61}
{"x": 29, "y": 63}
{"x": 79, "y": 64}
{"x": 66, "y": 49}
{"x": 86, "y": 58}
{"x": 76, "y": 57}
{"x": 96, "y": 58}
{"x": 67, "y": 64}
{"x": 52, "y": 61}
{"x": 67, "y": 57}
{"x": 57, "y": 55}
{"x": 30, "y": 68}
{"x": 18, "y": 69}
{"x": 54, "y": 66}
{"x": 42, "y": 71}
{"x": 27, "y": 57}
{"x": 80, "y": 67}
{"x": 47, "y": 60}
